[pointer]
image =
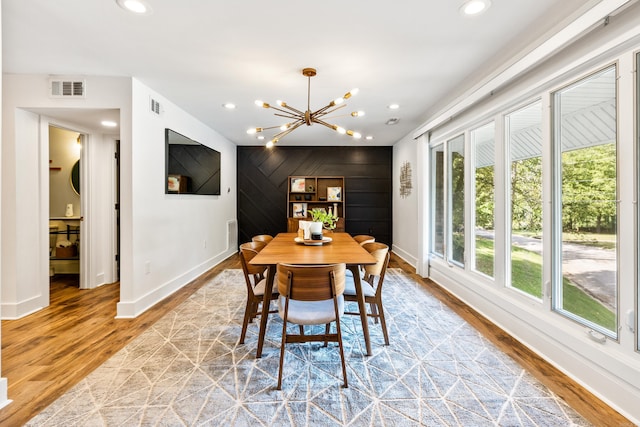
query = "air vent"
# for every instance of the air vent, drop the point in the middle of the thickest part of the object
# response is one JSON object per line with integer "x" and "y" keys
{"x": 155, "y": 106}
{"x": 63, "y": 88}
{"x": 393, "y": 121}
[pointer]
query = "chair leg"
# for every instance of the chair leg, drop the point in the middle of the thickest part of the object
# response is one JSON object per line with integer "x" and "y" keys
{"x": 284, "y": 341}
{"x": 383, "y": 324}
{"x": 374, "y": 312}
{"x": 301, "y": 327}
{"x": 344, "y": 366}
{"x": 248, "y": 315}
{"x": 327, "y": 329}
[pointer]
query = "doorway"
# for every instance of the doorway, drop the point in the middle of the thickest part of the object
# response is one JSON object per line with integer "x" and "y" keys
{"x": 65, "y": 207}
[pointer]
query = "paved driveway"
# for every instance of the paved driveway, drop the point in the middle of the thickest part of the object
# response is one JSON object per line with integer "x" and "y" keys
{"x": 591, "y": 269}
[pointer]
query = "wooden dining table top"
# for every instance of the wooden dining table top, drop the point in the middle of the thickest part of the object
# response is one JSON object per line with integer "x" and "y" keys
{"x": 342, "y": 249}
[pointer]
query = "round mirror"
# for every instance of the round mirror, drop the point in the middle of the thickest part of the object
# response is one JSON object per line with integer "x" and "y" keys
{"x": 75, "y": 177}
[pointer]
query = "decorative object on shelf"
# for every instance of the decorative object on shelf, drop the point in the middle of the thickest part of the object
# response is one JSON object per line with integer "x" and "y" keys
{"x": 307, "y": 197}
{"x": 405, "y": 180}
{"x": 334, "y": 193}
{"x": 176, "y": 183}
{"x": 298, "y": 197}
{"x": 322, "y": 199}
{"x": 299, "y": 210}
{"x": 297, "y": 185}
{"x": 307, "y": 117}
{"x": 335, "y": 209}
{"x": 311, "y": 189}
{"x": 69, "y": 211}
{"x": 329, "y": 220}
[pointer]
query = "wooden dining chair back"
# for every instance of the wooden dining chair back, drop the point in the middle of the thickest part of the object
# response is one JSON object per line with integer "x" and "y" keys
{"x": 311, "y": 295}
{"x": 266, "y": 238}
{"x": 371, "y": 282}
{"x": 363, "y": 238}
{"x": 254, "y": 277}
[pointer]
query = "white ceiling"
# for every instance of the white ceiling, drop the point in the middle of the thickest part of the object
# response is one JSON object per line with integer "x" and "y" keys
{"x": 201, "y": 54}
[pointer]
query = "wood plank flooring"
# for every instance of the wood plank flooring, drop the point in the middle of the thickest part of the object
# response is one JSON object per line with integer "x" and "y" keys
{"x": 48, "y": 352}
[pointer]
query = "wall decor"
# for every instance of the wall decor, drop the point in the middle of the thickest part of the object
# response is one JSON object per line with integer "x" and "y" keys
{"x": 299, "y": 210}
{"x": 297, "y": 185}
{"x": 334, "y": 193}
{"x": 405, "y": 180}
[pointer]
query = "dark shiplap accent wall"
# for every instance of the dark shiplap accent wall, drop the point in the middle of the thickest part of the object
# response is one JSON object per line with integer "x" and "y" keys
{"x": 262, "y": 186}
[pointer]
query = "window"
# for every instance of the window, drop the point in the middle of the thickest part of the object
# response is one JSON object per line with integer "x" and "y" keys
{"x": 483, "y": 144}
{"x": 524, "y": 143}
{"x": 585, "y": 209}
{"x": 455, "y": 151}
{"x": 437, "y": 205}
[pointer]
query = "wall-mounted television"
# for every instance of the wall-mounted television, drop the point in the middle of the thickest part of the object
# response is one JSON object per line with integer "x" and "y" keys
{"x": 192, "y": 168}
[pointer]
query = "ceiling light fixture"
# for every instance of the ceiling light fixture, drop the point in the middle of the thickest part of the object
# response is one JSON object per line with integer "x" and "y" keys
{"x": 308, "y": 117}
{"x": 139, "y": 7}
{"x": 393, "y": 106}
{"x": 109, "y": 123}
{"x": 474, "y": 7}
{"x": 229, "y": 106}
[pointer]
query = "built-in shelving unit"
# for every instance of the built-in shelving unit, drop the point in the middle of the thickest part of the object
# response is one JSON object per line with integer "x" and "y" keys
{"x": 309, "y": 192}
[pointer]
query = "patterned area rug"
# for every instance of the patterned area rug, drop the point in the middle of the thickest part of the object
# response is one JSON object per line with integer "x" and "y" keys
{"x": 188, "y": 370}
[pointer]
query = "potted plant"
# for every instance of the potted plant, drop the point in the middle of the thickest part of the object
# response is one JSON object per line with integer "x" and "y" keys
{"x": 328, "y": 219}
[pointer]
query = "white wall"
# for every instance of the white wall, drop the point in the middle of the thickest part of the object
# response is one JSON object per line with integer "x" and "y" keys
{"x": 3, "y": 381}
{"x": 175, "y": 238}
{"x": 166, "y": 240}
{"x": 611, "y": 370}
{"x": 406, "y": 223}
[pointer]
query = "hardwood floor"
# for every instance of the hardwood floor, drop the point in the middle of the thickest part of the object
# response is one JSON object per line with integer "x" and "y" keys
{"x": 48, "y": 352}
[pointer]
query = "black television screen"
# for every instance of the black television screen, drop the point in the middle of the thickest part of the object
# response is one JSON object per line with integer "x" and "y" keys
{"x": 192, "y": 168}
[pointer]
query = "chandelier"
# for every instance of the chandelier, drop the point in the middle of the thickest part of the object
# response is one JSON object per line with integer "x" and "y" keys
{"x": 298, "y": 118}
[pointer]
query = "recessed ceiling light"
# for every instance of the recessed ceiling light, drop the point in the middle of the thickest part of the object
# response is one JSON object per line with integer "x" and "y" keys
{"x": 261, "y": 137}
{"x": 474, "y": 7}
{"x": 393, "y": 106}
{"x": 109, "y": 123}
{"x": 139, "y": 7}
{"x": 229, "y": 106}
{"x": 368, "y": 138}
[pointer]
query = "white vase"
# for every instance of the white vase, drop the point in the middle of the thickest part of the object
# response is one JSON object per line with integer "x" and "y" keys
{"x": 315, "y": 227}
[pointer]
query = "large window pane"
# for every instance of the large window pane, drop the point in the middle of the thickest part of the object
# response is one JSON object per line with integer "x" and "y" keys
{"x": 437, "y": 203}
{"x": 585, "y": 141}
{"x": 524, "y": 142}
{"x": 483, "y": 143}
{"x": 455, "y": 151}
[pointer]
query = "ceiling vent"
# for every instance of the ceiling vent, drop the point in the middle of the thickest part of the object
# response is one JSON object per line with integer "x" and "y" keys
{"x": 67, "y": 88}
{"x": 392, "y": 121}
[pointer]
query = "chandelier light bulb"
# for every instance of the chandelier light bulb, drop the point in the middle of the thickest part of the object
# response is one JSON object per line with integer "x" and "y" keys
{"x": 281, "y": 103}
{"x": 269, "y": 144}
{"x": 338, "y": 101}
{"x": 285, "y": 126}
{"x": 341, "y": 130}
{"x": 357, "y": 135}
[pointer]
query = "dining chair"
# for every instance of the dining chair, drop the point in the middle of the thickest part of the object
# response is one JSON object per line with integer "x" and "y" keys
{"x": 311, "y": 295}
{"x": 254, "y": 277}
{"x": 262, "y": 238}
{"x": 371, "y": 282}
{"x": 363, "y": 238}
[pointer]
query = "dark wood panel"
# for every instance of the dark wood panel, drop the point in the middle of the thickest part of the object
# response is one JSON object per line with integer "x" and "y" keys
{"x": 262, "y": 186}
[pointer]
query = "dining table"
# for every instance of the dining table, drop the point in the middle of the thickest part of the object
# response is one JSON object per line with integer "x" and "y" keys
{"x": 288, "y": 248}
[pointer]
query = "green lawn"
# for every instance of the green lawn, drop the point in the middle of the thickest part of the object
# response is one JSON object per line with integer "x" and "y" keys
{"x": 526, "y": 275}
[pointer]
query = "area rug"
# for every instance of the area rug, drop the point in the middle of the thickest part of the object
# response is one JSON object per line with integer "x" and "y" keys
{"x": 189, "y": 370}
